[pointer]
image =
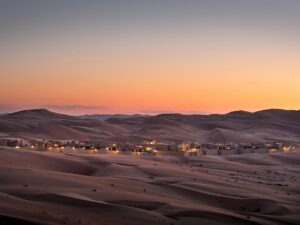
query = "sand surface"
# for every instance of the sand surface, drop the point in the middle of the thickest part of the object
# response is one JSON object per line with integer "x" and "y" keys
{"x": 52, "y": 188}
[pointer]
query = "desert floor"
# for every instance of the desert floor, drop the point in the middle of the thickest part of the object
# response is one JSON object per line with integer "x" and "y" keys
{"x": 53, "y": 188}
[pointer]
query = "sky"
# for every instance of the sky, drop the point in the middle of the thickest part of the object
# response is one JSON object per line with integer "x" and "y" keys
{"x": 149, "y": 57}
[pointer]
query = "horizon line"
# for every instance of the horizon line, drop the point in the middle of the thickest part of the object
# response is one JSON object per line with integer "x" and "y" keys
{"x": 148, "y": 114}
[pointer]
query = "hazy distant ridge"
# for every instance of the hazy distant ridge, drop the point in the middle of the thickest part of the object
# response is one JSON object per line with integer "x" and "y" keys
{"x": 103, "y": 117}
{"x": 237, "y": 126}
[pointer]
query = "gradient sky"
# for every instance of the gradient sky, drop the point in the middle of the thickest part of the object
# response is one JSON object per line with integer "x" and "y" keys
{"x": 138, "y": 56}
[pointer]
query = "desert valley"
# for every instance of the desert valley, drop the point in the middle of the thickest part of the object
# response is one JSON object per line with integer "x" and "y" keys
{"x": 150, "y": 112}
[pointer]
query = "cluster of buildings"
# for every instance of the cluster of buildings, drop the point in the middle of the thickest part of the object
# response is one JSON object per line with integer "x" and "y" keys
{"x": 13, "y": 142}
{"x": 234, "y": 148}
{"x": 155, "y": 147}
{"x": 9, "y": 142}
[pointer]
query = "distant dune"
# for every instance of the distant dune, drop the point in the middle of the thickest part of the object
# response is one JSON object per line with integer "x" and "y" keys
{"x": 238, "y": 126}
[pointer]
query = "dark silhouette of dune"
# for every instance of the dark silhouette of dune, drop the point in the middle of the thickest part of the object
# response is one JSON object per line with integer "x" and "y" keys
{"x": 37, "y": 114}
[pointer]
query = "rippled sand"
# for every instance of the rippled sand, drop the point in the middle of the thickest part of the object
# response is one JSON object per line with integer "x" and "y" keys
{"x": 50, "y": 188}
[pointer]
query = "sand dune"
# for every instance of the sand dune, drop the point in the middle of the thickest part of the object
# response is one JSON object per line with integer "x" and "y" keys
{"x": 52, "y": 188}
{"x": 239, "y": 126}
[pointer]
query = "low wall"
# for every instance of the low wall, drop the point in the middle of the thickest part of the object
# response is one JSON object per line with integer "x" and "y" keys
{"x": 245, "y": 151}
{"x": 211, "y": 152}
{"x": 170, "y": 153}
{"x": 122, "y": 153}
{"x": 235, "y": 151}
{"x": 261, "y": 150}
{"x": 229, "y": 152}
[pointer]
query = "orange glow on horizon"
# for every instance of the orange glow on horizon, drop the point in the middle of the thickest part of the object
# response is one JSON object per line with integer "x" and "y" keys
{"x": 154, "y": 74}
